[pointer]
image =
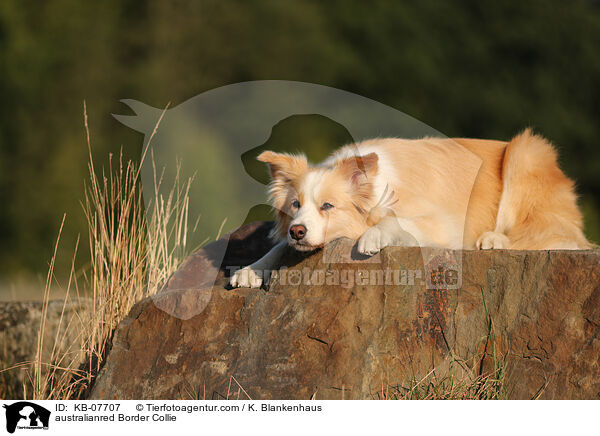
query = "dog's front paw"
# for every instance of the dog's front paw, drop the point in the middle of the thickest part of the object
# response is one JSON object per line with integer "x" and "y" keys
{"x": 246, "y": 278}
{"x": 370, "y": 242}
{"x": 492, "y": 240}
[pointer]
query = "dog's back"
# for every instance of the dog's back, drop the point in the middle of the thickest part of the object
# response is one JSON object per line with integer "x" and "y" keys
{"x": 463, "y": 193}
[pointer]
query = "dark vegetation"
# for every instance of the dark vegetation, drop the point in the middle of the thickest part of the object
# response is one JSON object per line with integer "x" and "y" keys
{"x": 470, "y": 68}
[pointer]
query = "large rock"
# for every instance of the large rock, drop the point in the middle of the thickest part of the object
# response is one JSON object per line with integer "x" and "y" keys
{"x": 539, "y": 310}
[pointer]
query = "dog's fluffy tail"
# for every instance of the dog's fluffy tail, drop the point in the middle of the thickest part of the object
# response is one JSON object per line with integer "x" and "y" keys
{"x": 538, "y": 207}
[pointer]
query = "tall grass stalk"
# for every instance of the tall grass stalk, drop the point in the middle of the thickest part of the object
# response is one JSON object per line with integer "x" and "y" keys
{"x": 134, "y": 249}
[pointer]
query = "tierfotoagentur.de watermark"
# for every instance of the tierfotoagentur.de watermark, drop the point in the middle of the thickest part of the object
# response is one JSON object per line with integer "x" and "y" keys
{"x": 436, "y": 277}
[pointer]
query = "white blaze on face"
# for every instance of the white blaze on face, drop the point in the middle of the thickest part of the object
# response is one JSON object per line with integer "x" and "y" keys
{"x": 309, "y": 215}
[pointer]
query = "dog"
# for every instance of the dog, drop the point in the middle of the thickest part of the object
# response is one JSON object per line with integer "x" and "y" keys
{"x": 399, "y": 192}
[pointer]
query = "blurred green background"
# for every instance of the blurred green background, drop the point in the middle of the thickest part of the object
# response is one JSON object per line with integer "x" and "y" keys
{"x": 470, "y": 68}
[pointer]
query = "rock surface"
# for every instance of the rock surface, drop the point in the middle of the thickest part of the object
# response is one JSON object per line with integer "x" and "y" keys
{"x": 402, "y": 315}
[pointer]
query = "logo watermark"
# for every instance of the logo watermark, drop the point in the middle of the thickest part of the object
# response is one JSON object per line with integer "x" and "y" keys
{"x": 24, "y": 415}
{"x": 215, "y": 138}
{"x": 434, "y": 276}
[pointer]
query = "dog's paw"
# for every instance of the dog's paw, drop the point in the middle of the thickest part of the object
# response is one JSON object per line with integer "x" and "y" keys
{"x": 246, "y": 278}
{"x": 370, "y": 242}
{"x": 492, "y": 240}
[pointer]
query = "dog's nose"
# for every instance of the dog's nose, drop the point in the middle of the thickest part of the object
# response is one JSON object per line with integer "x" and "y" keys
{"x": 297, "y": 232}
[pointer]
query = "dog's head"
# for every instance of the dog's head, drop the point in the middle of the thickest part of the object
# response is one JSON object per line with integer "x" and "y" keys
{"x": 316, "y": 205}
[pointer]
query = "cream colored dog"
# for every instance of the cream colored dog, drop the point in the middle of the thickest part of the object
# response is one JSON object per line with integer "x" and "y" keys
{"x": 397, "y": 192}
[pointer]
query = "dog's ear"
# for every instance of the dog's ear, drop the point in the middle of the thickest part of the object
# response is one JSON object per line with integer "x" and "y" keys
{"x": 359, "y": 169}
{"x": 284, "y": 166}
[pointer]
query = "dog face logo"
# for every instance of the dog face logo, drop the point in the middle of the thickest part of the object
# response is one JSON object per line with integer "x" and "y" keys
{"x": 26, "y": 415}
{"x": 244, "y": 120}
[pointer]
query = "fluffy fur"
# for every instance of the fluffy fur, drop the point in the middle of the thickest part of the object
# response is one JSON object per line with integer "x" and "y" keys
{"x": 453, "y": 193}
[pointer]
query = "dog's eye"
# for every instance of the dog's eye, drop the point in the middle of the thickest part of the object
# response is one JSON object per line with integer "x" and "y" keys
{"x": 326, "y": 206}
{"x": 296, "y": 204}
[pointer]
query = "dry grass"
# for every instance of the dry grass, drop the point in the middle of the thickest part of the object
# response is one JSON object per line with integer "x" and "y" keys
{"x": 451, "y": 386}
{"x": 457, "y": 383}
{"x": 133, "y": 251}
